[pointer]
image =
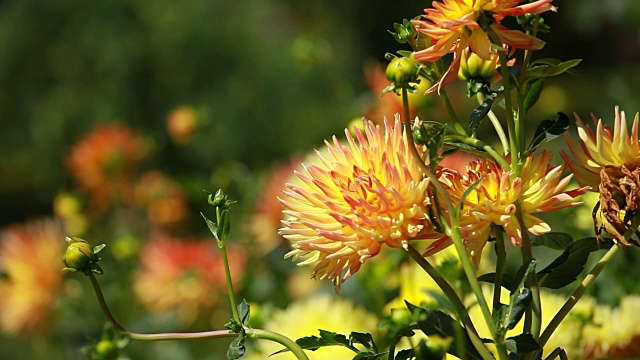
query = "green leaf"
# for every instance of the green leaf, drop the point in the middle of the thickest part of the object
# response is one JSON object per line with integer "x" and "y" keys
{"x": 565, "y": 269}
{"x": 465, "y": 194}
{"x": 363, "y": 338}
{"x": 236, "y": 348}
{"x": 553, "y": 240}
{"x": 547, "y": 70}
{"x": 405, "y": 355}
{"x": 549, "y": 130}
{"x": 435, "y": 322}
{"x": 533, "y": 94}
{"x": 212, "y": 226}
{"x": 327, "y": 338}
{"x": 367, "y": 355}
{"x": 244, "y": 312}
{"x": 507, "y": 280}
{"x": 99, "y": 248}
{"x": 481, "y": 111}
{"x": 519, "y": 299}
{"x": 224, "y": 226}
{"x": 522, "y": 344}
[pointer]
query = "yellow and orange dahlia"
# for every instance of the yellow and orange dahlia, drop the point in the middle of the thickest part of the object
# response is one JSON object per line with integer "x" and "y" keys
{"x": 610, "y": 161}
{"x": 494, "y": 200}
{"x": 30, "y": 256}
{"x": 453, "y": 25}
{"x": 368, "y": 192}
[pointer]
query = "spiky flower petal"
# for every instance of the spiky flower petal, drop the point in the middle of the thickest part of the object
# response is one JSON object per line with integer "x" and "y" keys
{"x": 369, "y": 192}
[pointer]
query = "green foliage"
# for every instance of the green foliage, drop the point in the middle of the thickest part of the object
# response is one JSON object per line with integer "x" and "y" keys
{"x": 236, "y": 348}
{"x": 553, "y": 240}
{"x": 532, "y": 92}
{"x": 549, "y": 130}
{"x": 522, "y": 344}
{"x": 479, "y": 113}
{"x": 330, "y": 338}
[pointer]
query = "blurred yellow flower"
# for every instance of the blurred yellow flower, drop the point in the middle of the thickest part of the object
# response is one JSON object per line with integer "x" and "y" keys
{"x": 181, "y": 124}
{"x": 30, "y": 256}
{"x": 190, "y": 272}
{"x": 614, "y": 333}
{"x": 304, "y": 318}
{"x": 453, "y": 25}
{"x": 370, "y": 193}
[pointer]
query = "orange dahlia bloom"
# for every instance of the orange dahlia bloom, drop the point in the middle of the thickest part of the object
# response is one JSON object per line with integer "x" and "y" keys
{"x": 30, "y": 256}
{"x": 362, "y": 195}
{"x": 541, "y": 188}
{"x": 610, "y": 161}
{"x": 191, "y": 274}
{"x": 453, "y": 25}
{"x": 103, "y": 163}
{"x": 164, "y": 200}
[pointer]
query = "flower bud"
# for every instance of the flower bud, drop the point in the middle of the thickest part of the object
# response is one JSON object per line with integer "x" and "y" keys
{"x": 106, "y": 349}
{"x": 473, "y": 67}
{"x": 79, "y": 254}
{"x": 402, "y": 71}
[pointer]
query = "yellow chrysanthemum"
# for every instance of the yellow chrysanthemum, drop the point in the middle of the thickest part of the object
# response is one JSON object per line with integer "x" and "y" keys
{"x": 30, "y": 255}
{"x": 363, "y": 195}
{"x": 304, "y": 318}
{"x": 541, "y": 188}
{"x": 453, "y": 25}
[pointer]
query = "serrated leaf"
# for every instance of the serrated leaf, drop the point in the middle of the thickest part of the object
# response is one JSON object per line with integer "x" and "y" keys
{"x": 236, "y": 348}
{"x": 549, "y": 130}
{"x": 565, "y": 269}
{"x": 507, "y": 280}
{"x": 522, "y": 344}
{"x": 244, "y": 312}
{"x": 224, "y": 225}
{"x": 483, "y": 109}
{"x": 553, "y": 240}
{"x": 533, "y": 94}
{"x": 363, "y": 338}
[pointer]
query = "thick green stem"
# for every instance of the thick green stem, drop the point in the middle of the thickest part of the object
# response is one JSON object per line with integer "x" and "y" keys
{"x": 501, "y": 263}
{"x": 281, "y": 339}
{"x": 577, "y": 294}
{"x": 461, "y": 310}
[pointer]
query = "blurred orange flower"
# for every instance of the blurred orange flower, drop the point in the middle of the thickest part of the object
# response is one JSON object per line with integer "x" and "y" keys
{"x": 191, "y": 273}
{"x": 181, "y": 124}
{"x": 30, "y": 256}
{"x": 363, "y": 195}
{"x": 164, "y": 200}
{"x": 453, "y": 25}
{"x": 103, "y": 162}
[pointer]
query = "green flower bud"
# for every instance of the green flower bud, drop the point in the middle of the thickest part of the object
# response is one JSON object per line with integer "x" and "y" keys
{"x": 402, "y": 71}
{"x": 106, "y": 349}
{"x": 79, "y": 255}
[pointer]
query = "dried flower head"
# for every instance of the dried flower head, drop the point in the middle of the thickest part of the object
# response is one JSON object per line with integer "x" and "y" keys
{"x": 363, "y": 195}
{"x": 610, "y": 161}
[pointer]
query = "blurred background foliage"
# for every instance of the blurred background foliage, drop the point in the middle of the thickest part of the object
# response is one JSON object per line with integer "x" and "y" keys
{"x": 261, "y": 81}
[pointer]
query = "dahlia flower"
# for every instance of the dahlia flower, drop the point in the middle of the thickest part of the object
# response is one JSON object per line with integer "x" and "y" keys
{"x": 362, "y": 195}
{"x": 541, "y": 188}
{"x": 453, "y": 25}
{"x": 30, "y": 257}
{"x": 164, "y": 200}
{"x": 190, "y": 272}
{"x": 609, "y": 160}
{"x": 103, "y": 161}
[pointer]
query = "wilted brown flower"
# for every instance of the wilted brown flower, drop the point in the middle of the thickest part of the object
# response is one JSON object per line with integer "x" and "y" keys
{"x": 619, "y": 201}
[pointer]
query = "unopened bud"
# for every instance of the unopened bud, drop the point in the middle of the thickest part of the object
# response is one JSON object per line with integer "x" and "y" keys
{"x": 402, "y": 71}
{"x": 78, "y": 255}
{"x": 106, "y": 349}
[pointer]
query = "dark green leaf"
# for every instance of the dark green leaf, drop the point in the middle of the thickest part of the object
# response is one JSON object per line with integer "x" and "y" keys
{"x": 244, "y": 312}
{"x": 405, "y": 355}
{"x": 533, "y": 94}
{"x": 549, "y": 130}
{"x": 565, "y": 269}
{"x": 236, "y": 348}
{"x": 547, "y": 70}
{"x": 522, "y": 344}
{"x": 364, "y": 339}
{"x": 224, "y": 225}
{"x": 519, "y": 299}
{"x": 481, "y": 111}
{"x": 327, "y": 338}
{"x": 507, "y": 281}
{"x": 553, "y": 240}
{"x": 367, "y": 355}
{"x": 517, "y": 306}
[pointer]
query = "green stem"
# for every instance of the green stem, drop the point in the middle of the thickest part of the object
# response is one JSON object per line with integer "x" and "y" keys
{"x": 501, "y": 262}
{"x": 577, "y": 294}
{"x": 496, "y": 124}
{"x": 452, "y": 114}
{"x": 227, "y": 271}
{"x": 479, "y": 144}
{"x": 533, "y": 315}
{"x": 281, "y": 339}
{"x": 461, "y": 310}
